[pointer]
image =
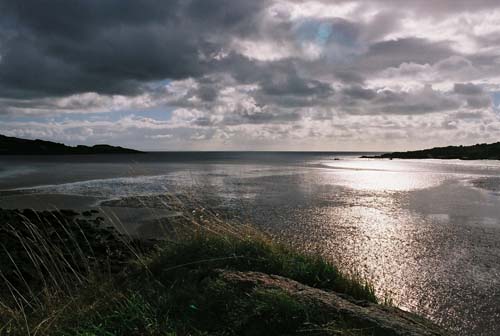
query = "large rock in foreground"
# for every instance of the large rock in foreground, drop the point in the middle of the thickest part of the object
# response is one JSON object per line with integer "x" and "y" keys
{"x": 368, "y": 318}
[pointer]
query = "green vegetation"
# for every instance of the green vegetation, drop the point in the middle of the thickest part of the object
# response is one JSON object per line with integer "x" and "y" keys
{"x": 475, "y": 152}
{"x": 175, "y": 289}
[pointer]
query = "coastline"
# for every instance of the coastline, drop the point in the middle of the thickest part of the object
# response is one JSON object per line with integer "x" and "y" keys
{"x": 474, "y": 152}
{"x": 322, "y": 218}
{"x": 230, "y": 262}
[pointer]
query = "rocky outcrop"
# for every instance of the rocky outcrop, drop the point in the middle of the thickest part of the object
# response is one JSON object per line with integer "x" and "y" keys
{"x": 373, "y": 319}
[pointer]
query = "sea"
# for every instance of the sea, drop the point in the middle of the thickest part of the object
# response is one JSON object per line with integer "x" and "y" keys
{"x": 425, "y": 233}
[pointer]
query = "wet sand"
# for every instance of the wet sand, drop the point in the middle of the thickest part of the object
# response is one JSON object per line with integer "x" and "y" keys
{"x": 426, "y": 233}
{"x": 134, "y": 221}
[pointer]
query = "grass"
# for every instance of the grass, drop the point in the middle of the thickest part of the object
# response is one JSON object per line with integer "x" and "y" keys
{"x": 175, "y": 290}
{"x": 203, "y": 253}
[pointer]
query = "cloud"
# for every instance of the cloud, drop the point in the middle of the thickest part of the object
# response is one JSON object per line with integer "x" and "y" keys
{"x": 393, "y": 53}
{"x": 385, "y": 101}
{"x": 159, "y": 136}
{"x": 357, "y": 92}
{"x": 250, "y": 74}
{"x": 112, "y": 47}
{"x": 468, "y": 89}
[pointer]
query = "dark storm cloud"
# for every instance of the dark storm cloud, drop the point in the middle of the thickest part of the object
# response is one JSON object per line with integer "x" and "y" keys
{"x": 348, "y": 76}
{"x": 112, "y": 46}
{"x": 475, "y": 95}
{"x": 242, "y": 117}
{"x": 112, "y": 62}
{"x": 426, "y": 100}
{"x": 224, "y": 69}
{"x": 358, "y": 92}
{"x": 275, "y": 78}
{"x": 467, "y": 89}
{"x": 203, "y": 121}
{"x": 225, "y": 16}
{"x": 279, "y": 83}
{"x": 78, "y": 19}
{"x": 443, "y": 6}
{"x": 392, "y": 53}
{"x": 432, "y": 8}
{"x": 478, "y": 102}
{"x": 358, "y": 100}
{"x": 468, "y": 115}
{"x": 207, "y": 92}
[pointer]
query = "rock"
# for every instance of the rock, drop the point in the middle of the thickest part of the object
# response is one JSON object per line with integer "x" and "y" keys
{"x": 68, "y": 212}
{"x": 87, "y": 213}
{"x": 34, "y": 244}
{"x": 375, "y": 318}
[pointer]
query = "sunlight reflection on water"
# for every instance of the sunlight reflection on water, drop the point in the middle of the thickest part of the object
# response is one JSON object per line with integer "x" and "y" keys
{"x": 381, "y": 175}
{"x": 426, "y": 233}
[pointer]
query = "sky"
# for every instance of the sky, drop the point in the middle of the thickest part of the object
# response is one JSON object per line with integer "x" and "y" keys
{"x": 352, "y": 75}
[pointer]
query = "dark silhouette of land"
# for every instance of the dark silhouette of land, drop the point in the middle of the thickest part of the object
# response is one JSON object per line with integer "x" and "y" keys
{"x": 17, "y": 146}
{"x": 475, "y": 152}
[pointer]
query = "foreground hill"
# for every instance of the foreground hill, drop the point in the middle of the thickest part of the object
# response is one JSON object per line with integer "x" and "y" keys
{"x": 65, "y": 274}
{"x": 475, "y": 152}
{"x": 17, "y": 146}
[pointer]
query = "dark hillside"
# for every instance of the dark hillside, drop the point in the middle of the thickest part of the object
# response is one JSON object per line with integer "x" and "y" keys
{"x": 475, "y": 152}
{"x": 17, "y": 146}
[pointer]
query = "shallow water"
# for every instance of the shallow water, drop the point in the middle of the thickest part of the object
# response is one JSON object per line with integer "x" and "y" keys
{"x": 427, "y": 233}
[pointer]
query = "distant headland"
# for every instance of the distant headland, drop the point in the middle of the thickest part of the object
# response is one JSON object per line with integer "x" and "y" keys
{"x": 474, "y": 152}
{"x": 17, "y": 146}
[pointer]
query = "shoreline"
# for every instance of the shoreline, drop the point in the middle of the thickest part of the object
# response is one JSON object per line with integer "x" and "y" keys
{"x": 475, "y": 152}
{"x": 427, "y": 158}
{"x": 346, "y": 215}
{"x": 191, "y": 248}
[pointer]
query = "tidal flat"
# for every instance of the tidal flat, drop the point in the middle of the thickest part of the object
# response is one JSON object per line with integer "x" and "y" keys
{"x": 425, "y": 234}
